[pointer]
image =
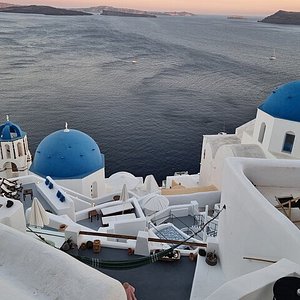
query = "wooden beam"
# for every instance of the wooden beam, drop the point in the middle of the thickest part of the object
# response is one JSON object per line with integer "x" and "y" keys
{"x": 132, "y": 237}
{"x": 260, "y": 259}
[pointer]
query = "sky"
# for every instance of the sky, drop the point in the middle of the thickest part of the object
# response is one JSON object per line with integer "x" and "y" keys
{"x": 242, "y": 7}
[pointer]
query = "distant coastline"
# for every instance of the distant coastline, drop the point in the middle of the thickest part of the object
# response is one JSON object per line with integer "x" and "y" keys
{"x": 43, "y": 10}
{"x": 125, "y": 11}
{"x": 283, "y": 17}
{"x": 126, "y": 14}
{"x": 96, "y": 10}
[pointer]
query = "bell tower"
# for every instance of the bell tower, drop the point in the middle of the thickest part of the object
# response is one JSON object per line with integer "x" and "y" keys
{"x": 15, "y": 158}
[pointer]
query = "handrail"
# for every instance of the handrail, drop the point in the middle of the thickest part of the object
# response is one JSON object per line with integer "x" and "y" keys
{"x": 132, "y": 237}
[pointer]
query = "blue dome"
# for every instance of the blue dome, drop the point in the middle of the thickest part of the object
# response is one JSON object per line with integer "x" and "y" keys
{"x": 284, "y": 102}
{"x": 10, "y": 132}
{"x": 67, "y": 154}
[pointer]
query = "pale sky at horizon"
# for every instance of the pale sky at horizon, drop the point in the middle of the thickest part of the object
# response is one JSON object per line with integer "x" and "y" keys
{"x": 254, "y": 7}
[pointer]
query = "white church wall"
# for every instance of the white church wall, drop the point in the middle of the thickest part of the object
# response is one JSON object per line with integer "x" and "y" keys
{"x": 72, "y": 184}
{"x": 206, "y": 165}
{"x": 262, "y": 117}
{"x": 89, "y": 182}
{"x": 84, "y": 185}
{"x": 281, "y": 127}
{"x": 275, "y": 132}
{"x": 245, "y": 223}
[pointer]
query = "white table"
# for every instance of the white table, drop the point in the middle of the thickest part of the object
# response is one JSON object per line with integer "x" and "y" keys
{"x": 116, "y": 208}
{"x": 113, "y": 219}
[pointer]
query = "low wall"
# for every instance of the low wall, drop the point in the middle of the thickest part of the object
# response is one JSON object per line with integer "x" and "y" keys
{"x": 203, "y": 198}
{"x": 250, "y": 225}
{"x": 44, "y": 272}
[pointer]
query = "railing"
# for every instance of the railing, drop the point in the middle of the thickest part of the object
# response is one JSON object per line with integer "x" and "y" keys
{"x": 211, "y": 229}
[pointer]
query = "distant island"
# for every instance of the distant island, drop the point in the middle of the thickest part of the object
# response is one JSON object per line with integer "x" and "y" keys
{"x": 236, "y": 17}
{"x": 43, "y": 10}
{"x": 283, "y": 17}
{"x": 100, "y": 9}
{"x": 125, "y": 14}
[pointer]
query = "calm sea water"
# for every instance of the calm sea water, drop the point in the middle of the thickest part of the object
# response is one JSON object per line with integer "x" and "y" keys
{"x": 193, "y": 76}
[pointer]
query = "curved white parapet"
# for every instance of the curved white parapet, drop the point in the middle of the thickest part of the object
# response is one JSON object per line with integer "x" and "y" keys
{"x": 257, "y": 284}
{"x": 30, "y": 268}
{"x": 12, "y": 216}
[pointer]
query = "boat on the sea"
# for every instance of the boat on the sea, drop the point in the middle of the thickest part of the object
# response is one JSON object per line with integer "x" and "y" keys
{"x": 273, "y": 56}
{"x": 204, "y": 235}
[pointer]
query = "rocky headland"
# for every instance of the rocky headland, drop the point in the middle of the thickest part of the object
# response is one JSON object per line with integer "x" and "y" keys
{"x": 43, "y": 10}
{"x": 283, "y": 17}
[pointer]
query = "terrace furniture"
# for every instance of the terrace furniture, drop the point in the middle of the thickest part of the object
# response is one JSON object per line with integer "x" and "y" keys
{"x": 5, "y": 190}
{"x": 93, "y": 213}
{"x": 116, "y": 209}
{"x": 27, "y": 192}
{"x": 286, "y": 204}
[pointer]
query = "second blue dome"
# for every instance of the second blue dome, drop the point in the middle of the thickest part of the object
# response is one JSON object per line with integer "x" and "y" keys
{"x": 284, "y": 102}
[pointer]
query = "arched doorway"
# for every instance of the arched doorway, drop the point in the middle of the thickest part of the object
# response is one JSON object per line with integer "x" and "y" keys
{"x": 10, "y": 169}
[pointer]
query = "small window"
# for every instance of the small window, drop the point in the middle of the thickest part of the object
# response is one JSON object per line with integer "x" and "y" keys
{"x": 14, "y": 167}
{"x": 288, "y": 142}
{"x": 20, "y": 149}
{"x": 262, "y": 132}
{"x": 7, "y": 149}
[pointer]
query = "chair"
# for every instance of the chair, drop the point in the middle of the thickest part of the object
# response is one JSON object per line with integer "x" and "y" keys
{"x": 286, "y": 204}
{"x": 27, "y": 192}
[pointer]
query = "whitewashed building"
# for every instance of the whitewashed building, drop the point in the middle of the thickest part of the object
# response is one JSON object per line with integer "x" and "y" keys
{"x": 274, "y": 133}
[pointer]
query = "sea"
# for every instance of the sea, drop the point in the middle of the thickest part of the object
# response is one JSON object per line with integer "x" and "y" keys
{"x": 145, "y": 89}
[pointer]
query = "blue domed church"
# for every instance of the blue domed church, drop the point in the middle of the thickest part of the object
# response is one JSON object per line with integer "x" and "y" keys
{"x": 277, "y": 124}
{"x": 273, "y": 134}
{"x": 73, "y": 159}
{"x": 15, "y": 157}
